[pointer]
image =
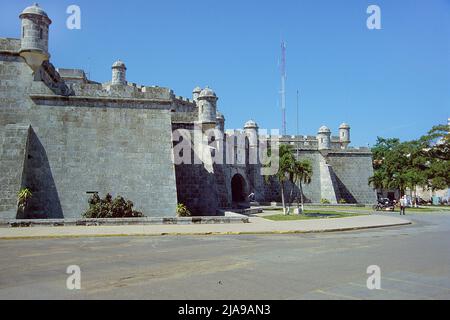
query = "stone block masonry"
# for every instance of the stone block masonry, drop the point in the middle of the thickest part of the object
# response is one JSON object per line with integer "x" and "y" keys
{"x": 352, "y": 171}
{"x": 64, "y": 147}
{"x": 13, "y": 143}
{"x": 337, "y": 176}
{"x": 125, "y": 152}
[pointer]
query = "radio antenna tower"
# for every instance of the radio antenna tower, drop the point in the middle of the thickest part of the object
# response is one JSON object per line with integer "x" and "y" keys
{"x": 283, "y": 86}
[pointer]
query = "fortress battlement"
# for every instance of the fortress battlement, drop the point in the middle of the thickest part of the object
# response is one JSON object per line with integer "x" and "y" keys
{"x": 121, "y": 91}
{"x": 10, "y": 45}
{"x": 75, "y": 75}
{"x": 184, "y": 100}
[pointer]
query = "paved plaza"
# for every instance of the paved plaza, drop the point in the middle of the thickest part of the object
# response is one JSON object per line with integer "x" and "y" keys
{"x": 414, "y": 262}
{"x": 257, "y": 225}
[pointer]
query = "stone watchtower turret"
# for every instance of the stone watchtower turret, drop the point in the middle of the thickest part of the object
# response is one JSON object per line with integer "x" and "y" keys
{"x": 207, "y": 108}
{"x": 344, "y": 135}
{"x": 251, "y": 130}
{"x": 324, "y": 138}
{"x": 119, "y": 73}
{"x": 34, "y": 39}
{"x": 195, "y": 93}
{"x": 220, "y": 122}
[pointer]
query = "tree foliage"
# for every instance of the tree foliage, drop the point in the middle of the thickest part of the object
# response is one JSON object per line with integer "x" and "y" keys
{"x": 436, "y": 149}
{"x": 292, "y": 171}
{"x": 183, "y": 211}
{"x": 419, "y": 163}
{"x": 302, "y": 174}
{"x": 23, "y": 198}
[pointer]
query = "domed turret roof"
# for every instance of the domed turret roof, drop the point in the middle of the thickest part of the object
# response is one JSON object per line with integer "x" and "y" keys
{"x": 197, "y": 90}
{"x": 119, "y": 64}
{"x": 344, "y": 126}
{"x": 250, "y": 125}
{"x": 35, "y": 9}
{"x": 207, "y": 93}
{"x": 324, "y": 129}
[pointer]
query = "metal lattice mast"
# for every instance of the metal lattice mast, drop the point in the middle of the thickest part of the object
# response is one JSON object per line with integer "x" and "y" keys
{"x": 283, "y": 86}
{"x": 298, "y": 114}
{"x": 298, "y": 126}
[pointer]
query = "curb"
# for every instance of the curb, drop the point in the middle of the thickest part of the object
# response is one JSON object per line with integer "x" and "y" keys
{"x": 238, "y": 219}
{"x": 226, "y": 233}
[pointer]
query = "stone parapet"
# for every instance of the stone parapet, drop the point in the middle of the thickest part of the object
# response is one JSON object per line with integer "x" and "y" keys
{"x": 8, "y": 45}
{"x": 100, "y": 102}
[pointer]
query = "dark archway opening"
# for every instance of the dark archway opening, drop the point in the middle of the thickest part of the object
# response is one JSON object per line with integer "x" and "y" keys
{"x": 238, "y": 188}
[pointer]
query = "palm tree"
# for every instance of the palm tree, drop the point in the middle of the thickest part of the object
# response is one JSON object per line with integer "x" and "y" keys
{"x": 285, "y": 172}
{"x": 378, "y": 180}
{"x": 302, "y": 174}
{"x": 293, "y": 171}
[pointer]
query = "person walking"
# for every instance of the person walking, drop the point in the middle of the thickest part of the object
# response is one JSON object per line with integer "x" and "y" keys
{"x": 403, "y": 203}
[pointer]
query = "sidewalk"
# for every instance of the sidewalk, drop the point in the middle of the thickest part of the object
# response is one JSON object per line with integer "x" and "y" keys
{"x": 256, "y": 226}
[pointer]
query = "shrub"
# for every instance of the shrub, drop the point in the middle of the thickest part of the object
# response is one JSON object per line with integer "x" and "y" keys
{"x": 110, "y": 208}
{"x": 325, "y": 201}
{"x": 342, "y": 201}
{"x": 23, "y": 196}
{"x": 182, "y": 211}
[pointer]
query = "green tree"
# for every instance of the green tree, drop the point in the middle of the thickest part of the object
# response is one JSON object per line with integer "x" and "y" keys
{"x": 395, "y": 164}
{"x": 378, "y": 180}
{"x": 285, "y": 172}
{"x": 389, "y": 165}
{"x": 302, "y": 174}
{"x": 437, "y": 142}
{"x": 424, "y": 162}
{"x": 414, "y": 166}
{"x": 292, "y": 171}
{"x": 436, "y": 154}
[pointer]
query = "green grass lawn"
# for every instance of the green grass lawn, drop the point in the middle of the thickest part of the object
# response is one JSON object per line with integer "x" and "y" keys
{"x": 369, "y": 208}
{"x": 311, "y": 214}
{"x": 331, "y": 208}
{"x": 352, "y": 208}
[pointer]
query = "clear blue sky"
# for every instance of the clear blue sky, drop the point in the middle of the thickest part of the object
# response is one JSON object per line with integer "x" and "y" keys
{"x": 393, "y": 82}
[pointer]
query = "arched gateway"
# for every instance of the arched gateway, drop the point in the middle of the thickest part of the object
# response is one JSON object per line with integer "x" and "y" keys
{"x": 238, "y": 189}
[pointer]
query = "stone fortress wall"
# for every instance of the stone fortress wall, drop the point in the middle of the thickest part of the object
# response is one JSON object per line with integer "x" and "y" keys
{"x": 339, "y": 174}
{"x": 65, "y": 136}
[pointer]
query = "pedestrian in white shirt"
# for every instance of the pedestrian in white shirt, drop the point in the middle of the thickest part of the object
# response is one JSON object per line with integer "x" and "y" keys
{"x": 403, "y": 204}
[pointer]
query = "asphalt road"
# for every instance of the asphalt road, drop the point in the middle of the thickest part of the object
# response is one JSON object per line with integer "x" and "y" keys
{"x": 414, "y": 262}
